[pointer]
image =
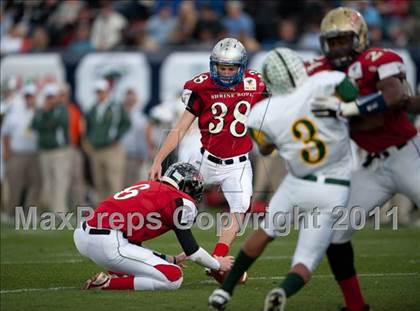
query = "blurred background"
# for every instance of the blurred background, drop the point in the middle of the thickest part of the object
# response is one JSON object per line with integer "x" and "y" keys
{"x": 65, "y": 56}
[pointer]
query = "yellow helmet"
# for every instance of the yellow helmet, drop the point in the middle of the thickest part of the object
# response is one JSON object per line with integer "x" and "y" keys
{"x": 341, "y": 22}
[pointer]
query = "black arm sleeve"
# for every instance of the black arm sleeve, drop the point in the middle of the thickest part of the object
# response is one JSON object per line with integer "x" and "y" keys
{"x": 187, "y": 241}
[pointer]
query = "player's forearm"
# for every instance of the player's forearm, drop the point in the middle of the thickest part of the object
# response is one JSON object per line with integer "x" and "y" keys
{"x": 203, "y": 258}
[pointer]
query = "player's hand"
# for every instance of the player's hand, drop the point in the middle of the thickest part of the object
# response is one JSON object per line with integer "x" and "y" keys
{"x": 326, "y": 106}
{"x": 155, "y": 171}
{"x": 180, "y": 258}
{"x": 225, "y": 262}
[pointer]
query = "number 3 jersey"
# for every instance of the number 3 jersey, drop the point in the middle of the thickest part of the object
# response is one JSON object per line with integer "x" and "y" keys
{"x": 222, "y": 112}
{"x": 310, "y": 145}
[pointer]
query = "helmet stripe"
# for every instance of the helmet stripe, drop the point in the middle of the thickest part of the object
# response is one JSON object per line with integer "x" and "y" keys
{"x": 287, "y": 68}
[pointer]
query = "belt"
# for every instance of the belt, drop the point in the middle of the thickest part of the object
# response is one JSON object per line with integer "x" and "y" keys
{"x": 95, "y": 230}
{"x": 217, "y": 160}
{"x": 381, "y": 155}
{"x": 329, "y": 180}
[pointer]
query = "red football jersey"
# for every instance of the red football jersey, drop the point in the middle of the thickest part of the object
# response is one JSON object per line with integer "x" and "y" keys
{"x": 145, "y": 210}
{"x": 369, "y": 67}
{"x": 222, "y": 112}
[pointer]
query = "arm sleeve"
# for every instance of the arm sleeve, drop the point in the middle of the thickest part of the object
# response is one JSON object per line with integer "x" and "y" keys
{"x": 186, "y": 239}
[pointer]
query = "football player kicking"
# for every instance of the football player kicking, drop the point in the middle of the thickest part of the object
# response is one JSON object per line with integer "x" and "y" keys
{"x": 318, "y": 156}
{"x": 378, "y": 124}
{"x": 221, "y": 100}
{"x": 112, "y": 238}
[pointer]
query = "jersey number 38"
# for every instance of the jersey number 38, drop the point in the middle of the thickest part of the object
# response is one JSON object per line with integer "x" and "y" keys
{"x": 219, "y": 111}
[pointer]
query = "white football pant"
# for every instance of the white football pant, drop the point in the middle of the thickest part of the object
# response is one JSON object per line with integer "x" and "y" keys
{"x": 376, "y": 184}
{"x": 115, "y": 253}
{"x": 310, "y": 200}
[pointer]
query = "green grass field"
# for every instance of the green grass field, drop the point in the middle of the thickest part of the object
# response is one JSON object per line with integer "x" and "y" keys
{"x": 43, "y": 271}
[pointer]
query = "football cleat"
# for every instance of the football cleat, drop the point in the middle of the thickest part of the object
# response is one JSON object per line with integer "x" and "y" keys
{"x": 98, "y": 281}
{"x": 275, "y": 300}
{"x": 219, "y": 299}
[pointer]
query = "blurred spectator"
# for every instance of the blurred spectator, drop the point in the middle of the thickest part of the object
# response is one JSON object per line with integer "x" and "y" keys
{"x": 369, "y": 12}
{"x": 106, "y": 123}
{"x": 287, "y": 32}
{"x": 10, "y": 97}
{"x": 266, "y": 20}
{"x": 20, "y": 154}
{"x": 39, "y": 40}
{"x": 160, "y": 26}
{"x": 81, "y": 42}
{"x": 52, "y": 125}
{"x": 66, "y": 13}
{"x": 208, "y": 28}
{"x": 107, "y": 27}
{"x": 375, "y": 36}
{"x": 185, "y": 23}
{"x": 138, "y": 37}
{"x": 77, "y": 191}
{"x": 310, "y": 37}
{"x": 15, "y": 40}
{"x": 134, "y": 140}
{"x": 237, "y": 22}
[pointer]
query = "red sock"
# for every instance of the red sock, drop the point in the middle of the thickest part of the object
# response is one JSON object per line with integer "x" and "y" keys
{"x": 352, "y": 293}
{"x": 122, "y": 283}
{"x": 220, "y": 250}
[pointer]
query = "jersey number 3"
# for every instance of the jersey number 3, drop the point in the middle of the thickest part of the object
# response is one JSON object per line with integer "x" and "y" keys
{"x": 219, "y": 111}
{"x": 306, "y": 131}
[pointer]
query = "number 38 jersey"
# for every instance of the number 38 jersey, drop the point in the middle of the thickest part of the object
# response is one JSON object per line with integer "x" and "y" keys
{"x": 222, "y": 112}
{"x": 310, "y": 145}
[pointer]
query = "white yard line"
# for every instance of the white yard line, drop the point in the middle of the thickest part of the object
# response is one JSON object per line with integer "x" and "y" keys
{"x": 324, "y": 276}
{"x": 42, "y": 262}
{"x": 318, "y": 276}
{"x": 23, "y": 290}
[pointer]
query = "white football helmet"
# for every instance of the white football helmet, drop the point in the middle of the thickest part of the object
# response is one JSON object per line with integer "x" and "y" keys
{"x": 282, "y": 71}
{"x": 228, "y": 51}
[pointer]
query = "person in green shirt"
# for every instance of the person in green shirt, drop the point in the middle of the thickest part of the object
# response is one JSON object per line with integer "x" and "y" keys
{"x": 106, "y": 123}
{"x": 51, "y": 122}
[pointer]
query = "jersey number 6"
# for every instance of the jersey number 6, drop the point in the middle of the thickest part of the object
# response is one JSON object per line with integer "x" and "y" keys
{"x": 307, "y": 132}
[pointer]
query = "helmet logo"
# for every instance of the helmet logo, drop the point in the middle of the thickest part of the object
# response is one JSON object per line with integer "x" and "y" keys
{"x": 354, "y": 18}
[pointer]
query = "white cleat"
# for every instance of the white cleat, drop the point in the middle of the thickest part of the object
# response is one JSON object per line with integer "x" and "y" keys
{"x": 219, "y": 299}
{"x": 275, "y": 300}
{"x": 98, "y": 281}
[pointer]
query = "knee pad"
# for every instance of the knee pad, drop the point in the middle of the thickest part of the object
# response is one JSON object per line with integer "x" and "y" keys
{"x": 341, "y": 260}
{"x": 172, "y": 272}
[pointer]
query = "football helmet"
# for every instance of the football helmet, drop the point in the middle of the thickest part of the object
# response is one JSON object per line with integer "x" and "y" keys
{"x": 343, "y": 22}
{"x": 185, "y": 177}
{"x": 228, "y": 51}
{"x": 282, "y": 71}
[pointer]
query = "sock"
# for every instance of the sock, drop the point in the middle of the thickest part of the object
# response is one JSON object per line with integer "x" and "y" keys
{"x": 220, "y": 250}
{"x": 341, "y": 260}
{"x": 122, "y": 283}
{"x": 242, "y": 263}
{"x": 352, "y": 294}
{"x": 292, "y": 284}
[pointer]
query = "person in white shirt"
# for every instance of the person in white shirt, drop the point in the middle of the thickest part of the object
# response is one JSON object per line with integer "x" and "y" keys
{"x": 20, "y": 153}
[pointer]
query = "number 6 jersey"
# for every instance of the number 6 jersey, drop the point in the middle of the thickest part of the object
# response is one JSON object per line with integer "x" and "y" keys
{"x": 310, "y": 145}
{"x": 222, "y": 112}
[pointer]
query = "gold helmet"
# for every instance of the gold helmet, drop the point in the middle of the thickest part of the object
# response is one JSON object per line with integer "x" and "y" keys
{"x": 343, "y": 22}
